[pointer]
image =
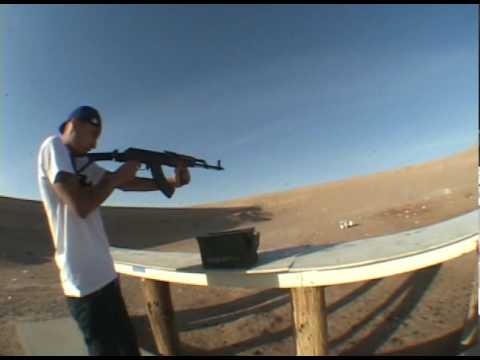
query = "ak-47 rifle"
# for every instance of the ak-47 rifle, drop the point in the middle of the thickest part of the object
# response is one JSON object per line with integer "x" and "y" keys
{"x": 153, "y": 161}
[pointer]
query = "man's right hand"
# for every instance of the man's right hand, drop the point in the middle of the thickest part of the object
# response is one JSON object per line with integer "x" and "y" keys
{"x": 126, "y": 172}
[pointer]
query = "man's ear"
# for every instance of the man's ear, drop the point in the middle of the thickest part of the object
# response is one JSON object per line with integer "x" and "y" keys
{"x": 75, "y": 124}
{"x": 69, "y": 126}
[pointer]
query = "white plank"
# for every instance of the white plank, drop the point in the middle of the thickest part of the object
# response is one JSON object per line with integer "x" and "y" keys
{"x": 314, "y": 266}
{"x": 268, "y": 261}
{"x": 377, "y": 270}
{"x": 361, "y": 252}
{"x": 171, "y": 261}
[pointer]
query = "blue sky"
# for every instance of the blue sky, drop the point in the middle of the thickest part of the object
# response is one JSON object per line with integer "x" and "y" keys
{"x": 285, "y": 95}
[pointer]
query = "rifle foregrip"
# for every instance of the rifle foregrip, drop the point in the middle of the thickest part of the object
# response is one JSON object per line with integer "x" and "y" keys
{"x": 161, "y": 181}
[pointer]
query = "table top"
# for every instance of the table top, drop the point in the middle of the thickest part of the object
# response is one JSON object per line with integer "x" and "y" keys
{"x": 314, "y": 265}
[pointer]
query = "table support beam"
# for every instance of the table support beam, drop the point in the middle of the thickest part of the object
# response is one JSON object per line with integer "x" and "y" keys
{"x": 160, "y": 312}
{"x": 310, "y": 321}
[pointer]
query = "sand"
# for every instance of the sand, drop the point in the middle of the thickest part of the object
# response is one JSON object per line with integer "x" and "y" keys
{"x": 421, "y": 312}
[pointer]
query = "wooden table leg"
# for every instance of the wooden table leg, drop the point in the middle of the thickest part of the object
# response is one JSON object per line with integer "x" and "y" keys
{"x": 161, "y": 315}
{"x": 310, "y": 321}
{"x": 470, "y": 331}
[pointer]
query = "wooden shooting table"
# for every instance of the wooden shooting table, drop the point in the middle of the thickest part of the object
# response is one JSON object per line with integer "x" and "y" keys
{"x": 306, "y": 273}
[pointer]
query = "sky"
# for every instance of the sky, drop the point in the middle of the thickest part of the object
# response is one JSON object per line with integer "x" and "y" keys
{"x": 286, "y": 96}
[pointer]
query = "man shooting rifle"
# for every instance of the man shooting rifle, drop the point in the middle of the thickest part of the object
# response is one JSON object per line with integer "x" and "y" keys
{"x": 82, "y": 253}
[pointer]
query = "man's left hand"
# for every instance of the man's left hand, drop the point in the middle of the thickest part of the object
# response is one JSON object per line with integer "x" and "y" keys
{"x": 182, "y": 175}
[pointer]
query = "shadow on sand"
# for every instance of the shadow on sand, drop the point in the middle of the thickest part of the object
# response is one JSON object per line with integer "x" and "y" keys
{"x": 138, "y": 228}
{"x": 411, "y": 291}
{"x": 26, "y": 238}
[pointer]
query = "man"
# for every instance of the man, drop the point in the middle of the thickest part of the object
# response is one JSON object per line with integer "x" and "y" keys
{"x": 71, "y": 201}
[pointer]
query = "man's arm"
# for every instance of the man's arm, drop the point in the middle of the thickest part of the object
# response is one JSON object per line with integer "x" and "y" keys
{"x": 84, "y": 199}
{"x": 144, "y": 184}
{"x": 182, "y": 177}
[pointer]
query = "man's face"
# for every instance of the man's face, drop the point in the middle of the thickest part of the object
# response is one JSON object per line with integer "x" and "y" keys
{"x": 85, "y": 136}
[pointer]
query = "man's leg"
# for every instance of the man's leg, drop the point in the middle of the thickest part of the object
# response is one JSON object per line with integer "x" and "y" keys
{"x": 92, "y": 317}
{"x": 127, "y": 337}
{"x": 104, "y": 322}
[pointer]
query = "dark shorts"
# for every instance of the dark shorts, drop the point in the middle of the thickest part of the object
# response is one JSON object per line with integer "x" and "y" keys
{"x": 104, "y": 322}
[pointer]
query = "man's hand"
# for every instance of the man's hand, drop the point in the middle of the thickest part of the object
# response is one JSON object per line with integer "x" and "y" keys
{"x": 126, "y": 173}
{"x": 182, "y": 175}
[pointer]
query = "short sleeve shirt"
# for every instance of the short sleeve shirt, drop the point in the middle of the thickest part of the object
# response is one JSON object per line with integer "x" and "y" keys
{"x": 82, "y": 251}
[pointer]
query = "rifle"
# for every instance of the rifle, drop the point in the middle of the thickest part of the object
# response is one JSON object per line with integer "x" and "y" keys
{"x": 153, "y": 161}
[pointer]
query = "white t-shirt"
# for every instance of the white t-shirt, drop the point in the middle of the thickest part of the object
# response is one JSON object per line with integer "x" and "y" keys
{"x": 82, "y": 251}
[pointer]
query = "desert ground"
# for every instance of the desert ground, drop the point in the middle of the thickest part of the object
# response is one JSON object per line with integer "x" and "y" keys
{"x": 421, "y": 312}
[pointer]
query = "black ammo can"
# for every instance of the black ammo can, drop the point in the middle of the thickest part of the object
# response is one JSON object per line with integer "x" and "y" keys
{"x": 229, "y": 249}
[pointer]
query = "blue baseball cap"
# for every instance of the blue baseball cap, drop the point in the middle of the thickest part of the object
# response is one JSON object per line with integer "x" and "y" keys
{"x": 84, "y": 113}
